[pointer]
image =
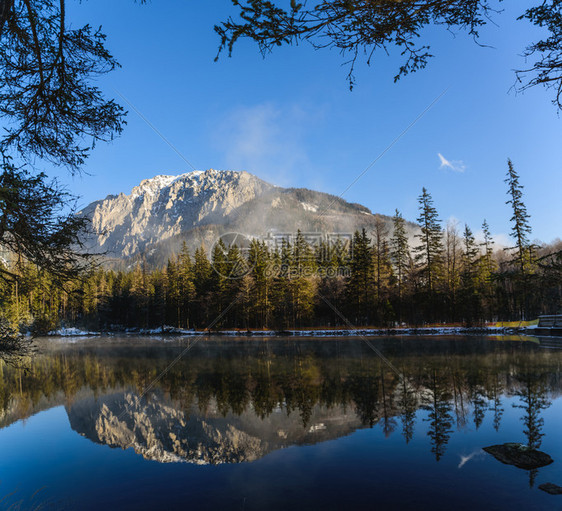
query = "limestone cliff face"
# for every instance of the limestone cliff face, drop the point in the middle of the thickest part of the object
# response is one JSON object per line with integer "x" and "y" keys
{"x": 163, "y": 212}
{"x": 158, "y": 431}
{"x": 165, "y": 206}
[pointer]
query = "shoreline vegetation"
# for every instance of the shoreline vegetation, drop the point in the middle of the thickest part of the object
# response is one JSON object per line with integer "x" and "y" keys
{"x": 514, "y": 330}
{"x": 302, "y": 284}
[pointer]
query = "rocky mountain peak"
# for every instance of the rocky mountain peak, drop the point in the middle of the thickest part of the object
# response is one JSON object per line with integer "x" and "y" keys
{"x": 166, "y": 206}
{"x": 162, "y": 212}
{"x": 158, "y": 430}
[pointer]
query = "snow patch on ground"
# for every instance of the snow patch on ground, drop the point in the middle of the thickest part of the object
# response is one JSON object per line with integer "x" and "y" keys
{"x": 161, "y": 330}
{"x": 309, "y": 207}
{"x": 72, "y": 332}
{"x": 359, "y": 332}
{"x": 156, "y": 184}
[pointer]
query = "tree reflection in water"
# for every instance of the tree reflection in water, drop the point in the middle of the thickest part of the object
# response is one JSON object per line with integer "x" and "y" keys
{"x": 445, "y": 382}
{"x": 408, "y": 408}
{"x": 533, "y": 400}
{"x": 440, "y": 417}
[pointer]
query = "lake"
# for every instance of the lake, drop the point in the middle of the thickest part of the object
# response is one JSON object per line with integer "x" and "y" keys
{"x": 279, "y": 423}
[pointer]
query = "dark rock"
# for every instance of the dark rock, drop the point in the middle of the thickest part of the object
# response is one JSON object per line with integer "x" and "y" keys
{"x": 519, "y": 455}
{"x": 551, "y": 488}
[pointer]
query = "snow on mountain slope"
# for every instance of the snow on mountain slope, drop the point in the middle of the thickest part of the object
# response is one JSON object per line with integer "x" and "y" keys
{"x": 161, "y": 213}
{"x": 164, "y": 206}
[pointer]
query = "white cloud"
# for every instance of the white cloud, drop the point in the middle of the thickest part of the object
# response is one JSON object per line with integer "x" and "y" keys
{"x": 266, "y": 140}
{"x": 454, "y": 165}
{"x": 465, "y": 459}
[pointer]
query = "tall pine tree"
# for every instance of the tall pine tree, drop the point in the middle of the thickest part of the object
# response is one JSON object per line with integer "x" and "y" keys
{"x": 520, "y": 232}
{"x": 400, "y": 255}
{"x": 360, "y": 285}
{"x": 521, "y": 229}
{"x": 429, "y": 253}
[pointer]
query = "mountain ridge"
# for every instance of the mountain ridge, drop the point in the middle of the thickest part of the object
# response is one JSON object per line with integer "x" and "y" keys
{"x": 163, "y": 212}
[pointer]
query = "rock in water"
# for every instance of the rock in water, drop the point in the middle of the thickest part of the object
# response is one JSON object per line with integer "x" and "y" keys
{"x": 551, "y": 488}
{"x": 519, "y": 455}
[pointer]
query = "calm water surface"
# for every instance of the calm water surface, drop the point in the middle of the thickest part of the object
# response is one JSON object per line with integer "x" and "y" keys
{"x": 279, "y": 424}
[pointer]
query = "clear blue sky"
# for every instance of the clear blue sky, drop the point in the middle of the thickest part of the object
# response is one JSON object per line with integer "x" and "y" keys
{"x": 291, "y": 120}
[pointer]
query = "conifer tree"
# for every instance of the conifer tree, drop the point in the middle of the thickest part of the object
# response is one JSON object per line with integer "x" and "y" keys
{"x": 219, "y": 279}
{"x": 282, "y": 297}
{"x": 400, "y": 255}
{"x": 260, "y": 262}
{"x": 471, "y": 300}
{"x": 302, "y": 280}
{"x": 470, "y": 250}
{"x": 380, "y": 256}
{"x": 360, "y": 285}
{"x": 452, "y": 265}
{"x": 520, "y": 232}
{"x": 244, "y": 304}
{"x": 157, "y": 302}
{"x": 383, "y": 274}
{"x": 332, "y": 262}
{"x": 202, "y": 272}
{"x": 140, "y": 293}
{"x": 173, "y": 295}
{"x": 429, "y": 252}
{"x": 521, "y": 229}
{"x": 487, "y": 267}
{"x": 283, "y": 286}
{"x": 105, "y": 288}
{"x": 229, "y": 285}
{"x": 186, "y": 286}
{"x": 488, "y": 246}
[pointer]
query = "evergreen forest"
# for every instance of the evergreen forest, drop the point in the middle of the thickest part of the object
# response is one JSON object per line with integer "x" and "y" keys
{"x": 382, "y": 278}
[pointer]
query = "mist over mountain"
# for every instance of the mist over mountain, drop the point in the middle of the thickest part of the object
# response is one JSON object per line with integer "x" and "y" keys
{"x": 161, "y": 213}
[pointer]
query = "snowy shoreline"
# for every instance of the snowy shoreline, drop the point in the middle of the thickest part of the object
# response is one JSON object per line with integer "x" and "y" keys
{"x": 360, "y": 332}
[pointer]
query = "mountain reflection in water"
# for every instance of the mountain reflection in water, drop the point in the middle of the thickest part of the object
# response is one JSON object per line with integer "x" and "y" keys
{"x": 232, "y": 401}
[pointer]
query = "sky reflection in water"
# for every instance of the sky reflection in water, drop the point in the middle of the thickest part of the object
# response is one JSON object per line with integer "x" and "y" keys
{"x": 279, "y": 424}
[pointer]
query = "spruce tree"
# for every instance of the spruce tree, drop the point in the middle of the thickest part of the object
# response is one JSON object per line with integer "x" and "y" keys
{"x": 361, "y": 281}
{"x": 236, "y": 267}
{"x": 486, "y": 268}
{"x": 202, "y": 282}
{"x": 521, "y": 229}
{"x": 332, "y": 259}
{"x": 219, "y": 278}
{"x": 383, "y": 274}
{"x": 452, "y": 266}
{"x": 380, "y": 256}
{"x": 185, "y": 285}
{"x": 303, "y": 280}
{"x": 488, "y": 246}
{"x": 173, "y": 307}
{"x": 520, "y": 232}
{"x": 261, "y": 264}
{"x": 139, "y": 291}
{"x": 429, "y": 253}
{"x": 281, "y": 292}
{"x": 158, "y": 299}
{"x": 400, "y": 255}
{"x": 471, "y": 300}
{"x": 470, "y": 250}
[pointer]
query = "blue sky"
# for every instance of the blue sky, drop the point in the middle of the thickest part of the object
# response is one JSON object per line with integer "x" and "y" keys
{"x": 291, "y": 119}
